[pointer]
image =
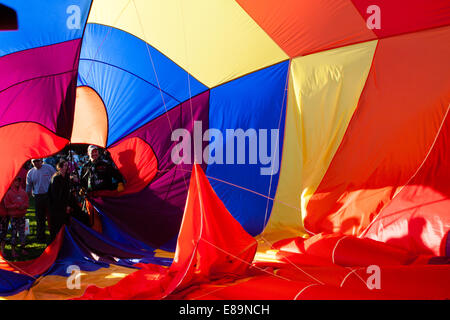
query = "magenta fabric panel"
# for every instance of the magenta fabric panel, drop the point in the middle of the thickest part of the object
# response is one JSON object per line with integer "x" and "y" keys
{"x": 38, "y": 85}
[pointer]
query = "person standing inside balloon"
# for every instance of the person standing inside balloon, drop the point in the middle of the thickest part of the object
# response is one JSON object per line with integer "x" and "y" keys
{"x": 38, "y": 181}
{"x": 61, "y": 200}
{"x": 96, "y": 175}
{"x": 99, "y": 174}
{"x": 16, "y": 203}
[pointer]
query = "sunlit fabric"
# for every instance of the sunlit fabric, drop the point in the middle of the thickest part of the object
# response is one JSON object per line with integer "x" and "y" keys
{"x": 271, "y": 149}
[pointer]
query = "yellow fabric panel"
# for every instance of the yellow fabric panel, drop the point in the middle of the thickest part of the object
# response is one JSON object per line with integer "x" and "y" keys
{"x": 55, "y": 287}
{"x": 215, "y": 41}
{"x": 324, "y": 89}
{"x": 164, "y": 254}
{"x": 24, "y": 295}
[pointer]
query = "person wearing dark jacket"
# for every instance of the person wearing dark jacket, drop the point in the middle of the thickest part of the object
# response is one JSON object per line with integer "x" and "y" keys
{"x": 61, "y": 202}
{"x": 99, "y": 174}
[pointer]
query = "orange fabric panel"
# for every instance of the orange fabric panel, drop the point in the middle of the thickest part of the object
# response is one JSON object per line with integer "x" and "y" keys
{"x": 136, "y": 161}
{"x": 211, "y": 245}
{"x": 398, "y": 116}
{"x": 90, "y": 124}
{"x": 303, "y": 27}
{"x": 21, "y": 142}
{"x": 418, "y": 218}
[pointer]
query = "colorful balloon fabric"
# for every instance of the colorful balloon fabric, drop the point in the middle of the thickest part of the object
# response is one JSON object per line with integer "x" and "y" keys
{"x": 271, "y": 149}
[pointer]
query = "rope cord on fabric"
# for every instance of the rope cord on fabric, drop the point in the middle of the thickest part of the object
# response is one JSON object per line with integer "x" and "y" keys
{"x": 157, "y": 80}
{"x": 293, "y": 264}
{"x": 187, "y": 62}
{"x": 415, "y": 173}
{"x": 278, "y": 138}
{"x": 289, "y": 261}
{"x": 70, "y": 156}
{"x": 106, "y": 36}
{"x": 192, "y": 120}
{"x": 242, "y": 188}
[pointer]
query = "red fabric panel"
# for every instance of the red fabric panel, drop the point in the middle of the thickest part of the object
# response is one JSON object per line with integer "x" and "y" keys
{"x": 418, "y": 218}
{"x": 211, "y": 245}
{"x": 270, "y": 287}
{"x": 214, "y": 252}
{"x": 136, "y": 161}
{"x": 302, "y": 259}
{"x": 334, "y": 283}
{"x": 396, "y": 121}
{"x": 264, "y": 287}
{"x": 299, "y": 280}
{"x": 298, "y": 27}
{"x": 402, "y": 16}
{"x": 353, "y": 251}
{"x": 23, "y": 141}
{"x": 345, "y": 251}
{"x": 424, "y": 282}
{"x": 324, "y": 292}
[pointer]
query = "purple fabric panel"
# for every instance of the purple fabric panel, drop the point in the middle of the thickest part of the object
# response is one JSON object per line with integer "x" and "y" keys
{"x": 154, "y": 214}
{"x": 38, "y": 85}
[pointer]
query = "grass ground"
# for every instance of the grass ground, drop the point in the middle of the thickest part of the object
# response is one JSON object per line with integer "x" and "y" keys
{"x": 33, "y": 248}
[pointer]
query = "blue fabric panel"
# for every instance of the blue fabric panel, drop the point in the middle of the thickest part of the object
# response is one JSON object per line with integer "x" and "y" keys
{"x": 12, "y": 283}
{"x": 44, "y": 22}
{"x": 111, "y": 231}
{"x": 255, "y": 101}
{"x": 119, "y": 67}
{"x": 111, "y": 251}
{"x": 130, "y": 101}
{"x": 71, "y": 254}
{"x": 123, "y": 50}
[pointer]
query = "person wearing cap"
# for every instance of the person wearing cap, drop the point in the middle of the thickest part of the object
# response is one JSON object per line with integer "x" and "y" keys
{"x": 38, "y": 181}
{"x": 98, "y": 174}
{"x": 16, "y": 203}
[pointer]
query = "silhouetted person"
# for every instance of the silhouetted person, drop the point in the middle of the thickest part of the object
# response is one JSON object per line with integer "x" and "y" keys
{"x": 60, "y": 199}
{"x": 38, "y": 181}
{"x": 97, "y": 175}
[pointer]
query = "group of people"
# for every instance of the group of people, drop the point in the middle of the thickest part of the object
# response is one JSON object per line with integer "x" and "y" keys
{"x": 59, "y": 193}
